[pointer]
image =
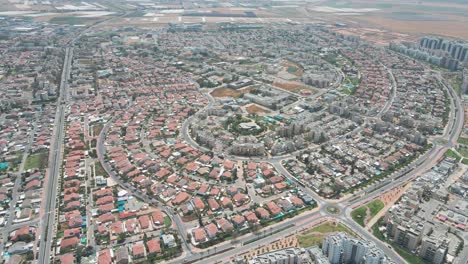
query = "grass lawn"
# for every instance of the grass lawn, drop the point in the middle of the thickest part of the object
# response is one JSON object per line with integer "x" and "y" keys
{"x": 37, "y": 161}
{"x": 292, "y": 69}
{"x": 167, "y": 221}
{"x": 346, "y": 90}
{"x": 97, "y": 129}
{"x": 463, "y": 140}
{"x": 375, "y": 229}
{"x": 99, "y": 169}
{"x": 311, "y": 238}
{"x": 456, "y": 83}
{"x": 408, "y": 256}
{"x": 463, "y": 152}
{"x": 452, "y": 154}
{"x": 465, "y": 161}
{"x": 329, "y": 227}
{"x": 375, "y": 207}
{"x": 359, "y": 215}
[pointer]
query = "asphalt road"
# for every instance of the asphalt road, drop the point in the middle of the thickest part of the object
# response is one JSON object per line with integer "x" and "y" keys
{"x": 48, "y": 218}
{"x": 236, "y": 247}
{"x": 425, "y": 162}
{"x": 100, "y": 149}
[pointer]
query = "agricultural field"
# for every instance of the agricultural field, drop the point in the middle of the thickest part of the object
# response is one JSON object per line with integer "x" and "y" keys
{"x": 446, "y": 18}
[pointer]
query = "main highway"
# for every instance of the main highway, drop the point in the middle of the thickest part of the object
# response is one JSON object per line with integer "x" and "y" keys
{"x": 48, "y": 218}
{"x": 48, "y": 212}
{"x": 230, "y": 249}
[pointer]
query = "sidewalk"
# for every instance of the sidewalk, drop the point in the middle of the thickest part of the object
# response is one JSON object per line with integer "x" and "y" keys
{"x": 264, "y": 229}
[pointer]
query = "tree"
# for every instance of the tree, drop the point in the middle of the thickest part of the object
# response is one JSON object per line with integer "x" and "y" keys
{"x": 121, "y": 238}
{"x": 200, "y": 221}
{"x": 80, "y": 252}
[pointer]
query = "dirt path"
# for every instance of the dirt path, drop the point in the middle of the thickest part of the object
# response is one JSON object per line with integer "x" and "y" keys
{"x": 368, "y": 216}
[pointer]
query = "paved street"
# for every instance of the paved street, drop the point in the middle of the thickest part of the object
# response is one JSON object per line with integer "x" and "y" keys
{"x": 230, "y": 249}
{"x": 49, "y": 216}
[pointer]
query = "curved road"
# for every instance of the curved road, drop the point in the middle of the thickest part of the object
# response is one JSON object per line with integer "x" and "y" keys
{"x": 230, "y": 249}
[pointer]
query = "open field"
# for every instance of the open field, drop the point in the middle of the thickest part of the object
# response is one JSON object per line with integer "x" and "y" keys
{"x": 289, "y": 86}
{"x": 359, "y": 215}
{"x": 99, "y": 169}
{"x": 314, "y": 236}
{"x": 375, "y": 207}
{"x": 97, "y": 129}
{"x": 37, "y": 161}
{"x": 447, "y": 18}
{"x": 227, "y": 92}
{"x": 364, "y": 214}
{"x": 456, "y": 29}
{"x": 292, "y": 86}
{"x": 329, "y": 227}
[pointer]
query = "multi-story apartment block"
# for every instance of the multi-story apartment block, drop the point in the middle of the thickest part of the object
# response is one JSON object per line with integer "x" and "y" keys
{"x": 342, "y": 249}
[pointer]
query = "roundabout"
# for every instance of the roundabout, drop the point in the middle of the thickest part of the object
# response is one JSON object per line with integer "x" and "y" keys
{"x": 333, "y": 209}
{"x": 302, "y": 150}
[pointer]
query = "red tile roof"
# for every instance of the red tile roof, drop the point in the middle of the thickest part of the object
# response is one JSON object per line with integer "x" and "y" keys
{"x": 69, "y": 242}
{"x": 158, "y": 217}
{"x": 104, "y": 256}
{"x": 180, "y": 198}
{"x": 199, "y": 204}
{"x": 154, "y": 246}
{"x": 144, "y": 221}
{"x": 138, "y": 249}
{"x": 199, "y": 234}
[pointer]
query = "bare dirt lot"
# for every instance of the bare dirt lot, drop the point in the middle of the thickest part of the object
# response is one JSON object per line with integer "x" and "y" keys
{"x": 255, "y": 109}
{"x": 293, "y": 86}
{"x": 227, "y": 92}
{"x": 289, "y": 86}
